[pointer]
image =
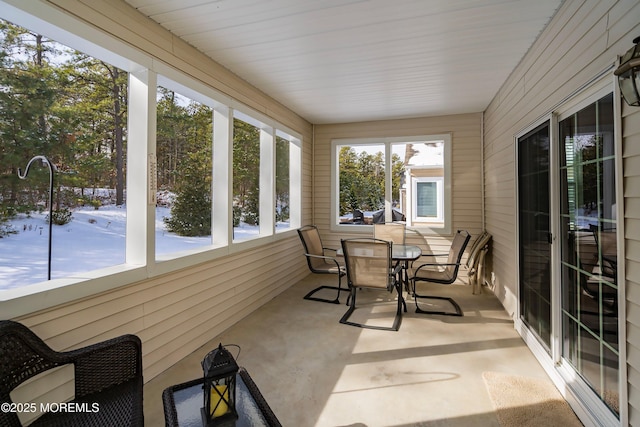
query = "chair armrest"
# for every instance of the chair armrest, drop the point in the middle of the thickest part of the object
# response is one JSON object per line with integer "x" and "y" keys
{"x": 435, "y": 255}
{"x": 326, "y": 258}
{"x": 106, "y": 364}
{"x": 434, "y": 264}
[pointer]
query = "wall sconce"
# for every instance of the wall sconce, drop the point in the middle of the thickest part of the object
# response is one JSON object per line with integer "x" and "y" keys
{"x": 629, "y": 74}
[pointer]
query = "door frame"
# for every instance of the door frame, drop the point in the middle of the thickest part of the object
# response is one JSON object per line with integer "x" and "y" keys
{"x": 587, "y": 405}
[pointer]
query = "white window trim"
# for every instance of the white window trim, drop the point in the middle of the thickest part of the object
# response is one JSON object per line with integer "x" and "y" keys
{"x": 439, "y": 218}
{"x": 437, "y": 229}
{"x": 145, "y": 74}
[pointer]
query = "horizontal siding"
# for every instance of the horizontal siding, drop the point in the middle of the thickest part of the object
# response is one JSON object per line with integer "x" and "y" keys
{"x": 176, "y": 313}
{"x": 631, "y": 162}
{"x": 466, "y": 169}
{"x": 582, "y": 40}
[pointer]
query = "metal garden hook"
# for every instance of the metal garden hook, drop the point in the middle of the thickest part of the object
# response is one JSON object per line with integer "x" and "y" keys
{"x": 52, "y": 169}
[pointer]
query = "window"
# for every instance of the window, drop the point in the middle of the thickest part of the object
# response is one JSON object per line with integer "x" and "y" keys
{"x": 48, "y": 103}
{"x": 82, "y": 111}
{"x": 287, "y": 197}
{"x": 414, "y": 186}
{"x": 428, "y": 199}
{"x": 184, "y": 132}
{"x": 246, "y": 179}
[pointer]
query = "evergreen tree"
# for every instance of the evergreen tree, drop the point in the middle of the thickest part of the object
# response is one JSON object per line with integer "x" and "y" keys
{"x": 187, "y": 131}
{"x": 246, "y": 172}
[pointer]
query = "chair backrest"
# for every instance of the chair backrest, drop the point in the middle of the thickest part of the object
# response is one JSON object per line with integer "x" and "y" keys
{"x": 476, "y": 249}
{"x": 393, "y": 231}
{"x": 23, "y": 355}
{"x": 458, "y": 246}
{"x": 368, "y": 262}
{"x": 310, "y": 237}
{"x": 606, "y": 244}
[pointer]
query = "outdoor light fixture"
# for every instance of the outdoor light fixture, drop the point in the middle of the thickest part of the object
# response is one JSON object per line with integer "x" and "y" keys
{"x": 220, "y": 370}
{"x": 629, "y": 74}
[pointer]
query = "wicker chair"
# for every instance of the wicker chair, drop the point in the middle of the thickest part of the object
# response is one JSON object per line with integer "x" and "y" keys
{"x": 441, "y": 273}
{"x": 108, "y": 374}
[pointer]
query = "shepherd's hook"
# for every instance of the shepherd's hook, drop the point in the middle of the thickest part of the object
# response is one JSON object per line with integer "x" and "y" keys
{"x": 52, "y": 169}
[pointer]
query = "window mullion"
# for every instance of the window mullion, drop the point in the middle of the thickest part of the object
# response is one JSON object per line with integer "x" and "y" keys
{"x": 140, "y": 236}
{"x": 267, "y": 181}
{"x": 222, "y": 175}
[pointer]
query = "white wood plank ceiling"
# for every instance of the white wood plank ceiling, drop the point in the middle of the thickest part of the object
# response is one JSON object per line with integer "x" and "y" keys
{"x": 335, "y": 61}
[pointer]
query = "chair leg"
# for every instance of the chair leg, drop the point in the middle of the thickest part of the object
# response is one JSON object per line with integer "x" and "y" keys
{"x": 310, "y": 296}
{"x": 352, "y": 306}
{"x": 458, "y": 311}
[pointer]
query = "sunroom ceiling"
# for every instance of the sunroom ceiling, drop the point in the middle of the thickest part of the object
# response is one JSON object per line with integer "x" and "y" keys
{"x": 334, "y": 61}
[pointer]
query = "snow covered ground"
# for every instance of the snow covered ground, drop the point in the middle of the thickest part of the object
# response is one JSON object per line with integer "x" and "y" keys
{"x": 93, "y": 239}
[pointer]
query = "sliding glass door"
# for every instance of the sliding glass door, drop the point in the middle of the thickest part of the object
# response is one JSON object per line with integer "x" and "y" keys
{"x": 589, "y": 248}
{"x": 534, "y": 232}
{"x": 568, "y": 249}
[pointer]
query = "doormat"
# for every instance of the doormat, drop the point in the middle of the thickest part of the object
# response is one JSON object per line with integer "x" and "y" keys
{"x": 528, "y": 402}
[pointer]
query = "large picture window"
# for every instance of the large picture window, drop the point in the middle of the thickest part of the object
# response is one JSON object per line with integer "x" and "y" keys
{"x": 72, "y": 108}
{"x": 184, "y": 190}
{"x": 184, "y": 132}
{"x": 393, "y": 179}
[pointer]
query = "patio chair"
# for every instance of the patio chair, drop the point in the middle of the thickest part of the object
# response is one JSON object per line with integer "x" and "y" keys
{"x": 320, "y": 263}
{"x": 393, "y": 231}
{"x": 594, "y": 271}
{"x": 369, "y": 265}
{"x": 475, "y": 262}
{"x": 441, "y": 273}
{"x": 108, "y": 373}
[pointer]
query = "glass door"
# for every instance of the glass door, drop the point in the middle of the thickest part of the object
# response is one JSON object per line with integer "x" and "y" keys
{"x": 588, "y": 228}
{"x": 534, "y": 232}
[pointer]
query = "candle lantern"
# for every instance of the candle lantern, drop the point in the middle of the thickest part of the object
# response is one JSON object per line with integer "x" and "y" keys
{"x": 220, "y": 370}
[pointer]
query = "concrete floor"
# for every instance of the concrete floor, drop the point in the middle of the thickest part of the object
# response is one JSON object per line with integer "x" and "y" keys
{"x": 315, "y": 372}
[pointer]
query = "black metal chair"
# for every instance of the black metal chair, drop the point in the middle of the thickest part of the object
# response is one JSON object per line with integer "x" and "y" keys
{"x": 441, "y": 273}
{"x": 369, "y": 265}
{"x": 319, "y": 262}
{"x": 108, "y": 374}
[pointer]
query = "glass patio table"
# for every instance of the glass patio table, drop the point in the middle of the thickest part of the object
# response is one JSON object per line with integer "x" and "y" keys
{"x": 403, "y": 254}
{"x": 183, "y": 402}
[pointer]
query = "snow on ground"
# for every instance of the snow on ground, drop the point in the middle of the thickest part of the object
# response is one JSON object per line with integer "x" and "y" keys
{"x": 93, "y": 239}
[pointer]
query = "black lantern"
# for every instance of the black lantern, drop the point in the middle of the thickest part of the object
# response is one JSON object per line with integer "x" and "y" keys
{"x": 220, "y": 370}
{"x": 629, "y": 74}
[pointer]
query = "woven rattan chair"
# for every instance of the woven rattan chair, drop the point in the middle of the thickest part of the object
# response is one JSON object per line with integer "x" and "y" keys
{"x": 441, "y": 273}
{"x": 108, "y": 374}
{"x": 320, "y": 262}
{"x": 369, "y": 265}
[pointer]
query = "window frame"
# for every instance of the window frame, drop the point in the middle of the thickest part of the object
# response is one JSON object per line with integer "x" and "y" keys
{"x": 439, "y": 181}
{"x": 425, "y": 228}
{"x": 145, "y": 74}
